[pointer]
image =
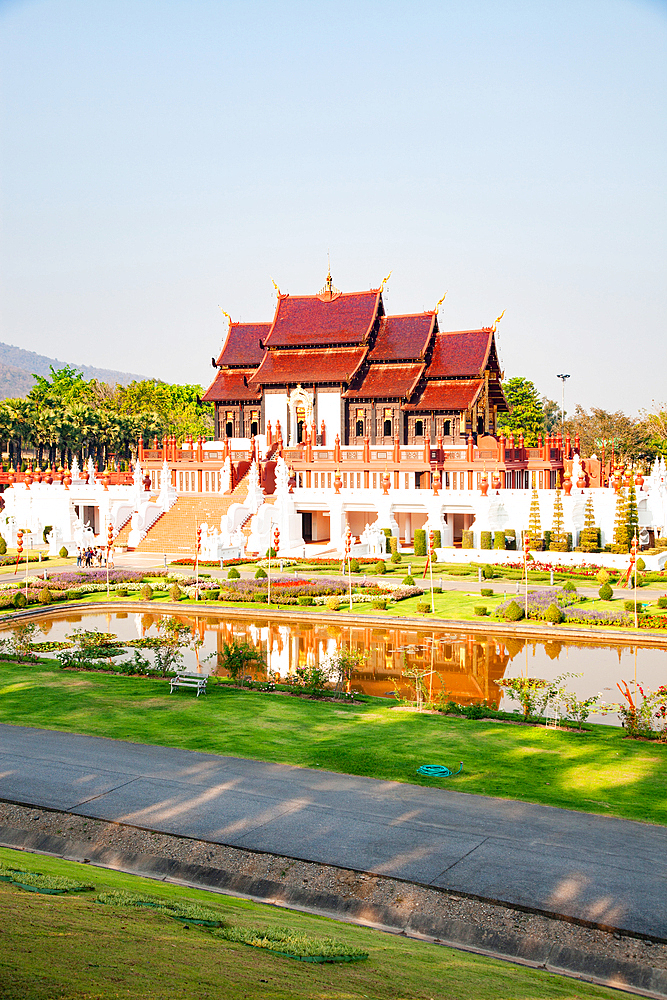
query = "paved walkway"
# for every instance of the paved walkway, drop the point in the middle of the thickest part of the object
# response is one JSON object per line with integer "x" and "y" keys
{"x": 590, "y": 867}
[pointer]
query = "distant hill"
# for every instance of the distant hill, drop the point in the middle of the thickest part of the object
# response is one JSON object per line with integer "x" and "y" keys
{"x": 17, "y": 367}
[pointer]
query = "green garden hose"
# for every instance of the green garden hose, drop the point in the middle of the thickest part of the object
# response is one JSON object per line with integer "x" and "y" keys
{"x": 438, "y": 770}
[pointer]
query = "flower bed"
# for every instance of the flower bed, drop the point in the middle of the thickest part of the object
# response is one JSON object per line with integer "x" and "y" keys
{"x": 539, "y": 602}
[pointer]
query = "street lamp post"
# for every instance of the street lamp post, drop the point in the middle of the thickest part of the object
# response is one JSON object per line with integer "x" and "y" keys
{"x": 563, "y": 379}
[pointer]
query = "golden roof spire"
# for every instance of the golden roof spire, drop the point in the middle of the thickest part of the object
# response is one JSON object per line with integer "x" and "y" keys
{"x": 226, "y": 314}
{"x": 440, "y": 301}
{"x": 498, "y": 319}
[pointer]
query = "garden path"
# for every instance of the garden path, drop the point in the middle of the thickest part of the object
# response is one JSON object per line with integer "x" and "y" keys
{"x": 589, "y": 867}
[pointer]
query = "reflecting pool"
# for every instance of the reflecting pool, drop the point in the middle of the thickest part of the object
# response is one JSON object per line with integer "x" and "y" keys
{"x": 465, "y": 667}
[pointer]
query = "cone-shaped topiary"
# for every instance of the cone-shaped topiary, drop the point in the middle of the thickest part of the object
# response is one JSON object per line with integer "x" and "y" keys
{"x": 233, "y": 574}
{"x": 558, "y": 537}
{"x": 621, "y": 539}
{"x": 588, "y": 540}
{"x": 605, "y": 592}
{"x": 513, "y": 613}
{"x": 146, "y": 592}
{"x": 45, "y": 596}
{"x": 554, "y": 614}
{"x": 409, "y": 581}
{"x": 260, "y": 574}
{"x": 175, "y": 592}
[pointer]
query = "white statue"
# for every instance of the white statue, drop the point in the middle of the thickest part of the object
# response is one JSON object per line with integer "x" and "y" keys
{"x": 91, "y": 470}
{"x": 226, "y": 476}
{"x": 255, "y": 495}
{"x": 167, "y": 496}
{"x": 282, "y": 477}
{"x": 76, "y": 471}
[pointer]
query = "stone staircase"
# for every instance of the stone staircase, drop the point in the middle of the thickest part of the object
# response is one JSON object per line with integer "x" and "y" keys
{"x": 175, "y": 531}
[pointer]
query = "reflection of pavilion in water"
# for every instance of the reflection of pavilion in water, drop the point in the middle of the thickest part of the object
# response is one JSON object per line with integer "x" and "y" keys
{"x": 465, "y": 668}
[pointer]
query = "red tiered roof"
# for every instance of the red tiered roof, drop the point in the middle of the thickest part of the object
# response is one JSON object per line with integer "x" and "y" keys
{"x": 228, "y": 386}
{"x": 387, "y": 382}
{"x": 321, "y": 365}
{"x": 460, "y": 353}
{"x": 241, "y": 346}
{"x": 447, "y": 394}
{"x": 403, "y": 338}
{"x": 310, "y": 320}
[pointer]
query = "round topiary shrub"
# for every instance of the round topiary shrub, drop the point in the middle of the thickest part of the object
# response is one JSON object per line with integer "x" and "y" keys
{"x": 424, "y": 608}
{"x": 380, "y": 567}
{"x": 175, "y": 592}
{"x": 662, "y": 602}
{"x": 630, "y": 606}
{"x": 333, "y": 603}
{"x": 569, "y": 586}
{"x": 233, "y": 574}
{"x": 513, "y": 613}
{"x": 3, "y": 546}
{"x": 306, "y": 600}
{"x": 480, "y": 610}
{"x": 603, "y": 576}
{"x": 260, "y": 574}
{"x": 486, "y": 592}
{"x": 641, "y": 565}
{"x": 19, "y": 600}
{"x": 379, "y": 604}
{"x": 488, "y": 572}
{"x": 409, "y": 581}
{"x": 396, "y": 557}
{"x": 554, "y": 614}
{"x": 605, "y": 592}
{"x": 45, "y": 596}
{"x": 354, "y": 565}
{"x": 63, "y": 553}
{"x": 146, "y": 592}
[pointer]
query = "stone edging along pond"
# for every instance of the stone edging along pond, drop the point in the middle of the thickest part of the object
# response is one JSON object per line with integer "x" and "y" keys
{"x": 540, "y": 630}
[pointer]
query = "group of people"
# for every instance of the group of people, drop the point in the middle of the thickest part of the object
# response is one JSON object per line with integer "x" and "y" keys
{"x": 94, "y": 558}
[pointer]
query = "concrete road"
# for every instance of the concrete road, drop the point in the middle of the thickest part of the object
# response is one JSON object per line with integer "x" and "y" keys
{"x": 590, "y": 867}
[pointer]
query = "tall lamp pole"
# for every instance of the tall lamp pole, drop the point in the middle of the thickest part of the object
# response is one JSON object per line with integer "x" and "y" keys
{"x": 563, "y": 379}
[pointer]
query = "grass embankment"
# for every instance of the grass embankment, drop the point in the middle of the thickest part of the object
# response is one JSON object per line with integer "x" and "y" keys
{"x": 66, "y": 947}
{"x": 598, "y": 771}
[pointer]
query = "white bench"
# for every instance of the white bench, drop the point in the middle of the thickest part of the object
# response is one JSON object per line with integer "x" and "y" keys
{"x": 189, "y": 680}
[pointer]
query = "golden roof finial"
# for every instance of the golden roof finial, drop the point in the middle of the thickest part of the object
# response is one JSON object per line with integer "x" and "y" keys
{"x": 275, "y": 286}
{"x": 498, "y": 319}
{"x": 440, "y": 301}
{"x": 385, "y": 280}
{"x": 225, "y": 314}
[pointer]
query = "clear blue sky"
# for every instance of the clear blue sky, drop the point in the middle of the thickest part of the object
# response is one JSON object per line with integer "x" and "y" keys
{"x": 159, "y": 159}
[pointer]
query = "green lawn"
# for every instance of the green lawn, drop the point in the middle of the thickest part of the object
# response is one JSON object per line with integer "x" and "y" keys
{"x": 599, "y": 771}
{"x": 67, "y": 947}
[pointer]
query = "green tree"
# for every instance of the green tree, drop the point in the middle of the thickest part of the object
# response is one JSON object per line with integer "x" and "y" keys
{"x": 630, "y": 437}
{"x": 552, "y": 415}
{"x": 526, "y": 410}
